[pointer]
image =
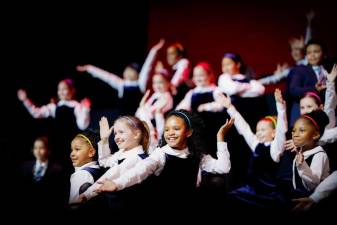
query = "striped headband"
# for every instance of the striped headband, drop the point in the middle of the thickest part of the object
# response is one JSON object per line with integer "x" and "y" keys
{"x": 85, "y": 138}
{"x": 312, "y": 120}
{"x": 130, "y": 121}
{"x": 270, "y": 119}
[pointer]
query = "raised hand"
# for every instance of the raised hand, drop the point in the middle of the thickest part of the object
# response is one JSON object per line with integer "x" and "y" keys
{"x": 290, "y": 146}
{"x": 159, "y": 45}
{"x": 22, "y": 95}
{"x": 297, "y": 42}
{"x": 299, "y": 157}
{"x": 332, "y": 75}
{"x": 319, "y": 86}
{"x": 107, "y": 186}
{"x": 224, "y": 130}
{"x": 225, "y": 101}
{"x": 144, "y": 99}
{"x": 104, "y": 129}
{"x": 83, "y": 68}
{"x": 310, "y": 16}
{"x": 278, "y": 96}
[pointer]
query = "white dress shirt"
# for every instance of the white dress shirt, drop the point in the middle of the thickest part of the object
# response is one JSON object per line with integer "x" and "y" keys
{"x": 155, "y": 163}
{"x": 130, "y": 159}
{"x": 277, "y": 145}
{"x": 214, "y": 106}
{"x": 82, "y": 113}
{"x": 78, "y": 178}
{"x": 182, "y": 73}
{"x": 244, "y": 90}
{"x": 318, "y": 170}
{"x": 325, "y": 188}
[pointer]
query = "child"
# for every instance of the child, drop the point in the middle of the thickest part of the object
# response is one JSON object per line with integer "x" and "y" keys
{"x": 300, "y": 176}
{"x": 177, "y": 161}
{"x": 132, "y": 139}
{"x": 267, "y": 147}
{"x": 232, "y": 82}
{"x": 308, "y": 78}
{"x": 87, "y": 171}
{"x": 152, "y": 109}
{"x": 69, "y": 115}
{"x": 133, "y": 84}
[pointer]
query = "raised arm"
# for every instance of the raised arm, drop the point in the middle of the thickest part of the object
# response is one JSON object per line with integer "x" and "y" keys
{"x": 105, "y": 158}
{"x": 277, "y": 145}
{"x": 36, "y": 112}
{"x": 222, "y": 164}
{"x": 112, "y": 79}
{"x": 82, "y": 114}
{"x": 240, "y": 124}
{"x": 147, "y": 66}
{"x": 182, "y": 72}
{"x": 330, "y": 97}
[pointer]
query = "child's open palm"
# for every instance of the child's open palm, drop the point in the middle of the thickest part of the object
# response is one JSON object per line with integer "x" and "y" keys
{"x": 278, "y": 96}
{"x": 104, "y": 129}
{"x": 22, "y": 95}
{"x": 332, "y": 75}
{"x": 225, "y": 101}
{"x": 224, "y": 129}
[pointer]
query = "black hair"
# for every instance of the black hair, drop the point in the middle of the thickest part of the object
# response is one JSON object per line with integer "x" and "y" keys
{"x": 320, "y": 118}
{"x": 317, "y": 42}
{"x": 244, "y": 69}
{"x": 94, "y": 138}
{"x": 196, "y": 142}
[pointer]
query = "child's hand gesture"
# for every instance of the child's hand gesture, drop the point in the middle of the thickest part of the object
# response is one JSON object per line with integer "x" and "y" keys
{"x": 310, "y": 16}
{"x": 104, "y": 129}
{"x": 224, "y": 130}
{"x": 144, "y": 99}
{"x": 225, "y": 101}
{"x": 299, "y": 157}
{"x": 319, "y": 86}
{"x": 302, "y": 204}
{"x": 159, "y": 45}
{"x": 278, "y": 97}
{"x": 82, "y": 198}
{"x": 83, "y": 68}
{"x": 22, "y": 95}
{"x": 289, "y": 145}
{"x": 332, "y": 75}
{"x": 107, "y": 186}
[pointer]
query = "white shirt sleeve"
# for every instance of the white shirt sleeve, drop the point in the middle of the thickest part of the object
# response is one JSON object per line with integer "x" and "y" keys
{"x": 274, "y": 78}
{"x": 329, "y": 136}
{"x": 325, "y": 188}
{"x": 243, "y": 128}
{"x": 112, "y": 79}
{"x": 40, "y": 112}
{"x": 216, "y": 105}
{"x": 230, "y": 87}
{"x": 318, "y": 170}
{"x": 146, "y": 69}
{"x": 113, "y": 173}
{"x": 186, "y": 102}
{"x": 153, "y": 164}
{"x": 277, "y": 145}
{"x": 182, "y": 73}
{"x": 330, "y": 103}
{"x": 105, "y": 158}
{"x": 255, "y": 89}
{"x": 82, "y": 114}
{"x": 221, "y": 165}
{"x": 165, "y": 102}
{"x": 77, "y": 179}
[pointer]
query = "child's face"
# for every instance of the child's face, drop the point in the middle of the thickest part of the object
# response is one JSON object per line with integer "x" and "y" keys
{"x": 314, "y": 54}
{"x": 176, "y": 132}
{"x": 40, "y": 151}
{"x": 265, "y": 131}
{"x": 230, "y": 67}
{"x": 130, "y": 74}
{"x": 307, "y": 105}
{"x": 200, "y": 77}
{"x": 297, "y": 52}
{"x": 125, "y": 137}
{"x": 81, "y": 152}
{"x": 159, "y": 84}
{"x": 64, "y": 92}
{"x": 172, "y": 56}
{"x": 304, "y": 134}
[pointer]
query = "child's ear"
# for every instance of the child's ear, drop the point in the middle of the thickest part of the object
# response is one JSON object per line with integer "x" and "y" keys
{"x": 316, "y": 136}
{"x": 189, "y": 133}
{"x": 137, "y": 134}
{"x": 273, "y": 133}
{"x": 92, "y": 152}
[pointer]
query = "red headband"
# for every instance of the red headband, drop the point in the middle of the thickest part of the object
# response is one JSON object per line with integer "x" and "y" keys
{"x": 312, "y": 120}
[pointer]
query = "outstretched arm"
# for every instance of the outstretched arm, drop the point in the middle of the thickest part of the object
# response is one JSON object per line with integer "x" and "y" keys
{"x": 330, "y": 97}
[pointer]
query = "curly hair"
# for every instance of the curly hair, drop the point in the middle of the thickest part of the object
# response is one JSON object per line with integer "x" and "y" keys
{"x": 196, "y": 142}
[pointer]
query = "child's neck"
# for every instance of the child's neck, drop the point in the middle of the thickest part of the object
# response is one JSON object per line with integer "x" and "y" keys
{"x": 309, "y": 147}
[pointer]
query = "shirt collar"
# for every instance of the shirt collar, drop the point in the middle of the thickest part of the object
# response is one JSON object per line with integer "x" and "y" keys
{"x": 39, "y": 163}
{"x": 134, "y": 151}
{"x": 308, "y": 153}
{"x": 209, "y": 88}
{"x": 131, "y": 83}
{"x": 179, "y": 153}
{"x": 92, "y": 164}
